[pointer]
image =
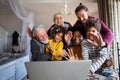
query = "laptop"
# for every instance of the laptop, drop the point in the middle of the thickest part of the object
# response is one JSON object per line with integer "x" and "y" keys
{"x": 58, "y": 70}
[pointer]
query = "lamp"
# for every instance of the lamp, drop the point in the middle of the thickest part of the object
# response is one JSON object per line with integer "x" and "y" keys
{"x": 65, "y": 9}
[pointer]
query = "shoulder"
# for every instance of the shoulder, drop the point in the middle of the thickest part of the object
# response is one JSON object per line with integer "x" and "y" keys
{"x": 52, "y": 26}
{"x": 50, "y": 40}
{"x": 67, "y": 23}
{"x": 33, "y": 44}
{"x": 32, "y": 41}
{"x": 84, "y": 42}
{"x": 98, "y": 19}
{"x": 104, "y": 48}
{"x": 60, "y": 43}
{"x": 78, "y": 22}
{"x": 90, "y": 17}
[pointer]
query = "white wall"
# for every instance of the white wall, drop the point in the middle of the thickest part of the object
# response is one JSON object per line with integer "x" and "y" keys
{"x": 44, "y": 12}
{"x": 3, "y": 40}
{"x": 10, "y": 23}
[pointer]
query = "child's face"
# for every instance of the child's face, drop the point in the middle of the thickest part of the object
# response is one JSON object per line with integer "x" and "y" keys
{"x": 58, "y": 37}
{"x": 90, "y": 31}
{"x": 77, "y": 37}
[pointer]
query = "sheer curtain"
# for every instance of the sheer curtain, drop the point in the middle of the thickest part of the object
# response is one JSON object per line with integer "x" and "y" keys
{"x": 27, "y": 20}
{"x": 109, "y": 13}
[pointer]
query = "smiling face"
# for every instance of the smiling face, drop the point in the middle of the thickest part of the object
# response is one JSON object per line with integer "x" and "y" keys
{"x": 91, "y": 30}
{"x": 77, "y": 37}
{"x": 41, "y": 36}
{"x": 58, "y": 37}
{"x": 82, "y": 15}
{"x": 58, "y": 19}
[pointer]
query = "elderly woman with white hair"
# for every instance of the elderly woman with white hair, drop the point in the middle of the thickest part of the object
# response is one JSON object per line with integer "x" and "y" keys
{"x": 38, "y": 44}
{"x": 58, "y": 20}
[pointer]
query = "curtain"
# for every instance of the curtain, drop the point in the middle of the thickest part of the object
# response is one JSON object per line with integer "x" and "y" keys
{"x": 104, "y": 11}
{"x": 109, "y": 13}
{"x": 27, "y": 20}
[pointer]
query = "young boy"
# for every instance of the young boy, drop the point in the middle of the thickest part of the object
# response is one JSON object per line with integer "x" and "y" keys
{"x": 55, "y": 44}
{"x": 90, "y": 47}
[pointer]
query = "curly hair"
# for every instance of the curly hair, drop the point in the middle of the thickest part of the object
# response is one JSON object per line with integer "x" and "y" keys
{"x": 59, "y": 29}
{"x": 93, "y": 23}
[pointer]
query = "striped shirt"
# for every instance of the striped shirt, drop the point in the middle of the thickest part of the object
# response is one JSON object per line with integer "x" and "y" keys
{"x": 97, "y": 54}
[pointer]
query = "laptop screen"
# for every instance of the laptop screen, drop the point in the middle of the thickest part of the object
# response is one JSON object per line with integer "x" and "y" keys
{"x": 58, "y": 70}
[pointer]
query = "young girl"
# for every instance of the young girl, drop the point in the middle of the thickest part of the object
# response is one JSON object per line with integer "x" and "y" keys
{"x": 55, "y": 45}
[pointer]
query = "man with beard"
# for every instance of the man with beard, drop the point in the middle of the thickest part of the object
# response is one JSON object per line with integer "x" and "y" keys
{"x": 38, "y": 44}
{"x": 81, "y": 12}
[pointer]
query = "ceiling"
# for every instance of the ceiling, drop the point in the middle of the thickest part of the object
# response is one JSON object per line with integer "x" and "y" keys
{"x": 45, "y": 9}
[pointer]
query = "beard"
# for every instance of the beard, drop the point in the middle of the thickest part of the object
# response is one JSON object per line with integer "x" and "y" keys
{"x": 45, "y": 41}
{"x": 84, "y": 21}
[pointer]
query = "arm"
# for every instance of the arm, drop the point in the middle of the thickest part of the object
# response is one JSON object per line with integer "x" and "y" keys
{"x": 37, "y": 55}
{"x": 106, "y": 33}
{"x": 85, "y": 50}
{"x": 97, "y": 64}
{"x": 29, "y": 31}
{"x": 34, "y": 50}
{"x": 67, "y": 40}
{"x": 49, "y": 48}
{"x": 58, "y": 49}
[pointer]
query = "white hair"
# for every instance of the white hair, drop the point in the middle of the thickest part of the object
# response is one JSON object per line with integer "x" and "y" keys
{"x": 37, "y": 28}
{"x": 55, "y": 15}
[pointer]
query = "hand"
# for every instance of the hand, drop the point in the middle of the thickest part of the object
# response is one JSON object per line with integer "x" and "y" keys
{"x": 70, "y": 34}
{"x": 90, "y": 74}
{"x": 29, "y": 31}
{"x": 97, "y": 40}
{"x": 70, "y": 55}
{"x": 50, "y": 47}
{"x": 68, "y": 37}
{"x": 64, "y": 54}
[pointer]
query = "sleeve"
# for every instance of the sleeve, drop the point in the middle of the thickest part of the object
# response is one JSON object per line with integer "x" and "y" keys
{"x": 103, "y": 56}
{"x": 67, "y": 46}
{"x": 36, "y": 54}
{"x": 85, "y": 50}
{"x": 68, "y": 24}
{"x": 58, "y": 49}
{"x": 49, "y": 30}
{"x": 106, "y": 33}
{"x": 34, "y": 50}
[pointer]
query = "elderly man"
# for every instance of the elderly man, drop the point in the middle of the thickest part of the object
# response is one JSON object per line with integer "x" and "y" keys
{"x": 38, "y": 44}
